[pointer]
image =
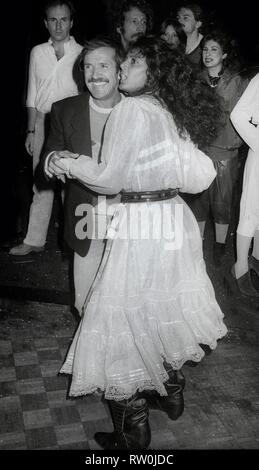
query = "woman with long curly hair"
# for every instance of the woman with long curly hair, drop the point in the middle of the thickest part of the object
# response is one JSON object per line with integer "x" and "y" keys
{"x": 152, "y": 305}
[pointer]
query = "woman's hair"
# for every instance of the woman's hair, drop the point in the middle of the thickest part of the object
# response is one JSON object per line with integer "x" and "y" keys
{"x": 177, "y": 27}
{"x": 228, "y": 46}
{"x": 195, "y": 107}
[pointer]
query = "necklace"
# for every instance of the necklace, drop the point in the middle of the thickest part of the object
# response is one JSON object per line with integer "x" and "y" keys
{"x": 215, "y": 80}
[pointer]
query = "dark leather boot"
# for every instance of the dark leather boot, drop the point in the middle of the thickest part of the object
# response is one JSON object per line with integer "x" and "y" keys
{"x": 173, "y": 403}
{"x": 243, "y": 284}
{"x": 253, "y": 264}
{"x": 131, "y": 426}
{"x": 176, "y": 377}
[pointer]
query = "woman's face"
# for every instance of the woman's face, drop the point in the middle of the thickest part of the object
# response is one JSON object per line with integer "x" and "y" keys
{"x": 171, "y": 36}
{"x": 212, "y": 54}
{"x": 133, "y": 75}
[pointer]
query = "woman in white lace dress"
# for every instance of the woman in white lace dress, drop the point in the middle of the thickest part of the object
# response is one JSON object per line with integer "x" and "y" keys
{"x": 152, "y": 304}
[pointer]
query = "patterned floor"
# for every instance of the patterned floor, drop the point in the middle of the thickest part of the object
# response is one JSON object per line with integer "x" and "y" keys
{"x": 221, "y": 397}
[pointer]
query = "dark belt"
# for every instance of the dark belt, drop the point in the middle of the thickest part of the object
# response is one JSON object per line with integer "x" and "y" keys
{"x": 148, "y": 196}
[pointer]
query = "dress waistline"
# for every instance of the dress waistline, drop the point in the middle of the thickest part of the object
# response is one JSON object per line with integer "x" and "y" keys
{"x": 148, "y": 196}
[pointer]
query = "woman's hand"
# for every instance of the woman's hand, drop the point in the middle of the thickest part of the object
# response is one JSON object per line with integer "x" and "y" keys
{"x": 67, "y": 154}
{"x": 60, "y": 167}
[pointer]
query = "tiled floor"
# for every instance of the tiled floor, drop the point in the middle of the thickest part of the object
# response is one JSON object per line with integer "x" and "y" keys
{"x": 221, "y": 396}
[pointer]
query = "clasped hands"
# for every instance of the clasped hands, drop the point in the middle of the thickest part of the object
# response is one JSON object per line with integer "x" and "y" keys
{"x": 59, "y": 164}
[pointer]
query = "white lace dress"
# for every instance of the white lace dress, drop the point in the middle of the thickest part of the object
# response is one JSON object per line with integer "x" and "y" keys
{"x": 152, "y": 300}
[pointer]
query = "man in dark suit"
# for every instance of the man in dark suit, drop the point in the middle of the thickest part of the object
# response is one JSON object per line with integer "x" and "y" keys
{"x": 77, "y": 125}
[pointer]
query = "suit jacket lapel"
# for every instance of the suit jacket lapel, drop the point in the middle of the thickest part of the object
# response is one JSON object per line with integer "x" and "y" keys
{"x": 80, "y": 127}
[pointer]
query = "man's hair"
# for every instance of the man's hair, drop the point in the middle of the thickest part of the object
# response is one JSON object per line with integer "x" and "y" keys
{"x": 59, "y": 3}
{"x": 118, "y": 13}
{"x": 97, "y": 42}
{"x": 197, "y": 10}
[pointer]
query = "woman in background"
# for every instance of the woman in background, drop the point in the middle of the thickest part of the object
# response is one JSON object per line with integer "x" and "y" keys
{"x": 171, "y": 31}
{"x": 219, "y": 58}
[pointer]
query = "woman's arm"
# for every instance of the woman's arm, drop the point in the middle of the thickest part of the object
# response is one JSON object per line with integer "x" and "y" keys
{"x": 121, "y": 145}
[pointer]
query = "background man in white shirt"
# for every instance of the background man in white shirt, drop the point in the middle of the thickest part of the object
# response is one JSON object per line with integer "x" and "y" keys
{"x": 50, "y": 80}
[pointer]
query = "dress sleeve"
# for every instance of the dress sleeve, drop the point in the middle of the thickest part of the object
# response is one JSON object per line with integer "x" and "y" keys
{"x": 120, "y": 149}
{"x": 197, "y": 169}
{"x": 245, "y": 115}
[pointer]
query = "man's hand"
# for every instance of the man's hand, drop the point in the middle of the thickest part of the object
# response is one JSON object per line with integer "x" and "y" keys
{"x": 55, "y": 166}
{"x": 59, "y": 164}
{"x": 29, "y": 143}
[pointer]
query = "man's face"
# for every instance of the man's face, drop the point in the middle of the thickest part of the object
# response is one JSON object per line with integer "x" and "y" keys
{"x": 59, "y": 23}
{"x": 101, "y": 75}
{"x": 134, "y": 26}
{"x": 187, "y": 20}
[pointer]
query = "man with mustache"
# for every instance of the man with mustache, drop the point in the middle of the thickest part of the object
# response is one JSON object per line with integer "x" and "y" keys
{"x": 76, "y": 126}
{"x": 133, "y": 18}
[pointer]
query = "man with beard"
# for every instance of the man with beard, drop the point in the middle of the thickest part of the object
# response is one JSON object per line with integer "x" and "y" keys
{"x": 132, "y": 19}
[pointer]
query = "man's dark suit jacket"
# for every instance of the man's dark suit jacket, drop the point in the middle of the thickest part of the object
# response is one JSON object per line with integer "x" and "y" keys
{"x": 70, "y": 130}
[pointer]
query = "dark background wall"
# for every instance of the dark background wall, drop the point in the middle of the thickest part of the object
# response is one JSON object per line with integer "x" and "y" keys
{"x": 27, "y": 29}
{"x": 22, "y": 28}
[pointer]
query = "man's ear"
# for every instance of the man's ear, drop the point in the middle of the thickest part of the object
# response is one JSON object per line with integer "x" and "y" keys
{"x": 46, "y": 24}
{"x": 224, "y": 56}
{"x": 198, "y": 24}
{"x": 118, "y": 30}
